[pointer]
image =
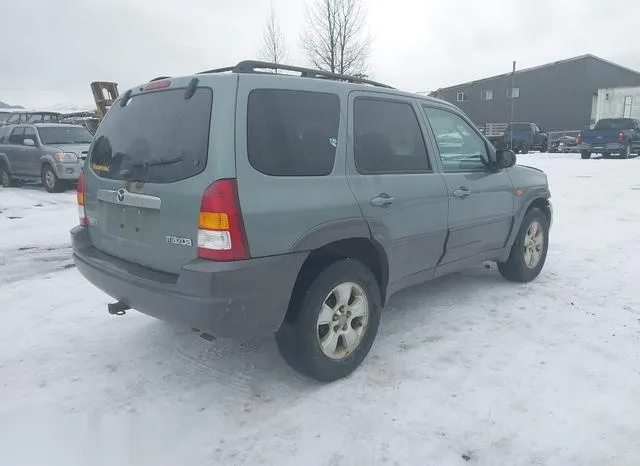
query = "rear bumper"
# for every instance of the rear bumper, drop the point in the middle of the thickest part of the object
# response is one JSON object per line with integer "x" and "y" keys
{"x": 606, "y": 147}
{"x": 227, "y": 299}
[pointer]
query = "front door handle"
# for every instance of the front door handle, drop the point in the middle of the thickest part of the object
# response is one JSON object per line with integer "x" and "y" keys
{"x": 462, "y": 192}
{"x": 382, "y": 200}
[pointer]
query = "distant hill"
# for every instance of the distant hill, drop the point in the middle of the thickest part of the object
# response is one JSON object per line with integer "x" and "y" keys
{"x": 4, "y": 105}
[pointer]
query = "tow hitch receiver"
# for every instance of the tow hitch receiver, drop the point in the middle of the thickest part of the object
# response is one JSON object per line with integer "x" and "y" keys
{"x": 118, "y": 308}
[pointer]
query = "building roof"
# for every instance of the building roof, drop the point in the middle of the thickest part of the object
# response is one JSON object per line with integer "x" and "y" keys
{"x": 559, "y": 62}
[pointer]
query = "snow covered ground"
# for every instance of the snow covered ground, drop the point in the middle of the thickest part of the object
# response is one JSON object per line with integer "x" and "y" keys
{"x": 469, "y": 369}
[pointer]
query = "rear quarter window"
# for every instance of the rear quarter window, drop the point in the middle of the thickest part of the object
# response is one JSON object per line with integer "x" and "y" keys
{"x": 292, "y": 133}
{"x": 157, "y": 137}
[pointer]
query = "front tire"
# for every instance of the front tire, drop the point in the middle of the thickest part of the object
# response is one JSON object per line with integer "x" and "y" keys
{"x": 50, "y": 180}
{"x": 335, "y": 323}
{"x": 585, "y": 154}
{"x": 529, "y": 250}
{"x": 6, "y": 179}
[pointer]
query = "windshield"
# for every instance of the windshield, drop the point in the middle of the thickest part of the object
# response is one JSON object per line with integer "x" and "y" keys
{"x": 615, "y": 123}
{"x": 158, "y": 137}
{"x": 64, "y": 135}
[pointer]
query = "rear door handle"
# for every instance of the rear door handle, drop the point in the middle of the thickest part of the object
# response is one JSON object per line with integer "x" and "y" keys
{"x": 462, "y": 192}
{"x": 382, "y": 200}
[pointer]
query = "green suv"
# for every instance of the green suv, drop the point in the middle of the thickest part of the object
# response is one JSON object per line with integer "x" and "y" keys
{"x": 238, "y": 201}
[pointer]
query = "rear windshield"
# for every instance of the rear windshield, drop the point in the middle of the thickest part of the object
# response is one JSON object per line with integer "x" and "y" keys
{"x": 157, "y": 137}
{"x": 4, "y": 116}
{"x": 519, "y": 128}
{"x": 615, "y": 123}
{"x": 64, "y": 135}
{"x": 43, "y": 118}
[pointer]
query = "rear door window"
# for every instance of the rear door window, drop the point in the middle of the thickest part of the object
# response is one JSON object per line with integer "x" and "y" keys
{"x": 17, "y": 136}
{"x": 157, "y": 137}
{"x": 292, "y": 133}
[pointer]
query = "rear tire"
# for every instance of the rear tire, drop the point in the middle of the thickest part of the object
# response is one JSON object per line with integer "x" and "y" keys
{"x": 529, "y": 250}
{"x": 626, "y": 153}
{"x": 524, "y": 149}
{"x": 6, "y": 179}
{"x": 50, "y": 180}
{"x": 335, "y": 323}
{"x": 585, "y": 154}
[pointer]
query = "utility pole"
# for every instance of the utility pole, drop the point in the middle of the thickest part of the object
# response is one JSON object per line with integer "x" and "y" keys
{"x": 513, "y": 85}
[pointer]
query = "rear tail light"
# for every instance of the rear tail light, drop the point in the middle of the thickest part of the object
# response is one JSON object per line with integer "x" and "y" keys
{"x": 620, "y": 136}
{"x": 221, "y": 235}
{"x": 80, "y": 190}
{"x": 579, "y": 138}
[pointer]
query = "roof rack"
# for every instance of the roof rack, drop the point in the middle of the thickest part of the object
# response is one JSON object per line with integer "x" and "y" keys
{"x": 259, "y": 67}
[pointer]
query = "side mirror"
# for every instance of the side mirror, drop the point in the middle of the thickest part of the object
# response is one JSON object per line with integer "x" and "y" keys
{"x": 28, "y": 142}
{"x": 505, "y": 158}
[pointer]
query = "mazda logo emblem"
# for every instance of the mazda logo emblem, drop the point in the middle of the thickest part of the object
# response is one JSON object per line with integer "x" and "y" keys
{"x": 120, "y": 195}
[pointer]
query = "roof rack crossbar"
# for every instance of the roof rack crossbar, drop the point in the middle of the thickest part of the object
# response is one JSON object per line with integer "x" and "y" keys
{"x": 259, "y": 67}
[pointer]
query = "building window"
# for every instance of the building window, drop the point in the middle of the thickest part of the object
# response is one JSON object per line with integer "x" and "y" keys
{"x": 513, "y": 93}
{"x": 462, "y": 96}
{"x": 487, "y": 94}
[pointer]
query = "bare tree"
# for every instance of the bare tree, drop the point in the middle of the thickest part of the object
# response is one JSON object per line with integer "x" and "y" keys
{"x": 335, "y": 37}
{"x": 273, "y": 44}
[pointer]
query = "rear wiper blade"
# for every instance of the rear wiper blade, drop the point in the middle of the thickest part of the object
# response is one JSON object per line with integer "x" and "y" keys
{"x": 153, "y": 163}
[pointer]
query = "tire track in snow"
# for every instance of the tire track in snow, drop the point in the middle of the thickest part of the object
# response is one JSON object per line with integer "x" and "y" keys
{"x": 27, "y": 262}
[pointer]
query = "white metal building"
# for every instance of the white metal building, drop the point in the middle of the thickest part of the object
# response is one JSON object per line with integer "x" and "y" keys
{"x": 616, "y": 102}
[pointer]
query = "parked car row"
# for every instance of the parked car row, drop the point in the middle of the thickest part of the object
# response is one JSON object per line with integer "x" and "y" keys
{"x": 50, "y": 152}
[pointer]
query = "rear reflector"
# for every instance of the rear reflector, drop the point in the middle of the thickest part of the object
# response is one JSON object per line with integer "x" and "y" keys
{"x": 80, "y": 190}
{"x": 157, "y": 85}
{"x": 221, "y": 235}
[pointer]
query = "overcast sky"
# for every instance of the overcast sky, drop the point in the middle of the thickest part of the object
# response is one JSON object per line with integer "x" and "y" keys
{"x": 53, "y": 49}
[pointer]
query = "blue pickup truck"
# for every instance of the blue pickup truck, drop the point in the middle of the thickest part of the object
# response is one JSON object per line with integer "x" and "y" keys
{"x": 620, "y": 136}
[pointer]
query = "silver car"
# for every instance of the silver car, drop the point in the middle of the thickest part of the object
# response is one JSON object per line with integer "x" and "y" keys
{"x": 51, "y": 152}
